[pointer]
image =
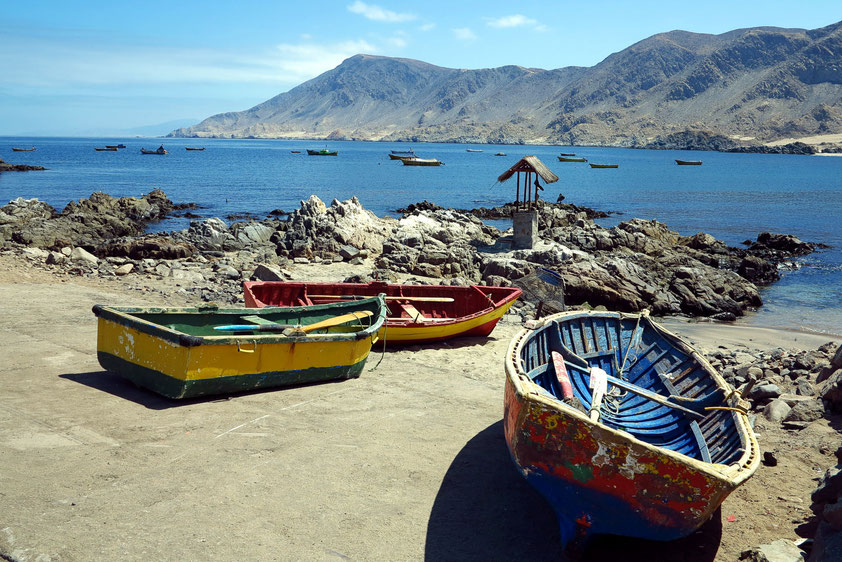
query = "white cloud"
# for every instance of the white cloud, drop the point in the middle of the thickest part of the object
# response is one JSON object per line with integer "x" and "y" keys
{"x": 516, "y": 20}
{"x": 305, "y": 61}
{"x": 397, "y": 41}
{"x": 511, "y": 21}
{"x": 376, "y": 13}
{"x": 50, "y": 64}
{"x": 464, "y": 34}
{"x": 428, "y": 27}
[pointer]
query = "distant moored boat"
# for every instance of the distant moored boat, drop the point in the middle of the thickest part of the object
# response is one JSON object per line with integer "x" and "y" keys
{"x": 472, "y": 150}
{"x": 421, "y": 162}
{"x": 566, "y": 159}
{"x": 24, "y": 149}
{"x": 604, "y": 165}
{"x": 192, "y": 148}
{"x": 322, "y": 152}
{"x": 689, "y": 162}
{"x": 106, "y": 149}
{"x": 401, "y": 154}
{"x": 159, "y": 150}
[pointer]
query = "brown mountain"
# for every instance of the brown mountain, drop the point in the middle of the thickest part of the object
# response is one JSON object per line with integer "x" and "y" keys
{"x": 755, "y": 85}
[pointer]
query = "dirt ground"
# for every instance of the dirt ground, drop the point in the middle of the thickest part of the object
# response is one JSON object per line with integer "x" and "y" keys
{"x": 407, "y": 462}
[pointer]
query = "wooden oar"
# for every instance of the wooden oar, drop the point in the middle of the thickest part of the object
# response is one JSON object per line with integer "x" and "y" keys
{"x": 398, "y": 298}
{"x": 288, "y": 330}
{"x": 648, "y": 394}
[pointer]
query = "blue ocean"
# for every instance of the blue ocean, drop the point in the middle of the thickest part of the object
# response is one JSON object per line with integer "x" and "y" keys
{"x": 734, "y": 197}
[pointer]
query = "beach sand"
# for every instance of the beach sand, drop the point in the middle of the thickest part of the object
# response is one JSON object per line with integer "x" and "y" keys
{"x": 407, "y": 462}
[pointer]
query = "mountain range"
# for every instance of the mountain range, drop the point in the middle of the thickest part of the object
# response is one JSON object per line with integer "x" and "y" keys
{"x": 755, "y": 86}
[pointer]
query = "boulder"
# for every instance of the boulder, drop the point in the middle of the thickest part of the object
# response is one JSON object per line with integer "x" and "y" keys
{"x": 806, "y": 411}
{"x": 124, "y": 269}
{"x": 781, "y": 550}
{"x": 776, "y": 411}
{"x": 317, "y": 229}
{"x": 265, "y": 272}
{"x": 81, "y": 255}
{"x": 831, "y": 391}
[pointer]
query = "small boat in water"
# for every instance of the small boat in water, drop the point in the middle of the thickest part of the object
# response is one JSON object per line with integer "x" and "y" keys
{"x": 193, "y": 148}
{"x": 604, "y": 165}
{"x": 322, "y": 152}
{"x": 106, "y": 149}
{"x": 500, "y": 154}
{"x": 23, "y": 149}
{"x": 115, "y": 146}
{"x": 568, "y": 159}
{"x": 295, "y": 151}
{"x": 188, "y": 352}
{"x": 159, "y": 150}
{"x": 421, "y": 162}
{"x": 568, "y": 154}
{"x": 689, "y": 162}
{"x": 623, "y": 426}
{"x": 415, "y": 313}
{"x": 401, "y": 154}
{"x": 472, "y": 150}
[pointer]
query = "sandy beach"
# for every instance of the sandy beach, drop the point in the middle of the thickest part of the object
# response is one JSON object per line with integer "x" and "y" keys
{"x": 407, "y": 462}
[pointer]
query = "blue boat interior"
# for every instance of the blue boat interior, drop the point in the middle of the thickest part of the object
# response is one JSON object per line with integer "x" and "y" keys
{"x": 646, "y": 360}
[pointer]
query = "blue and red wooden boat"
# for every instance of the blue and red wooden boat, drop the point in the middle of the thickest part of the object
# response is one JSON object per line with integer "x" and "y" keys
{"x": 651, "y": 454}
{"x": 415, "y": 314}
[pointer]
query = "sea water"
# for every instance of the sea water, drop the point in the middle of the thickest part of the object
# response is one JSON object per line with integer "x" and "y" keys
{"x": 734, "y": 197}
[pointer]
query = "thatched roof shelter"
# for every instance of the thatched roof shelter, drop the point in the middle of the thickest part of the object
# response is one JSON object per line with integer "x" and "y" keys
{"x": 528, "y": 165}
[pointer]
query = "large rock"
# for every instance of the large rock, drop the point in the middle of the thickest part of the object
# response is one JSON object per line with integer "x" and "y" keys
{"x": 831, "y": 392}
{"x": 87, "y": 222}
{"x": 154, "y": 247}
{"x": 315, "y": 229}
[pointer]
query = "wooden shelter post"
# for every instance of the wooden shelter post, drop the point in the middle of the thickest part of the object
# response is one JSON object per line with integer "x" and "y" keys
{"x": 525, "y": 215}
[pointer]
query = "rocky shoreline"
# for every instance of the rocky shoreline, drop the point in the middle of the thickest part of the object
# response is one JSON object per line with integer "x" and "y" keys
{"x": 6, "y": 167}
{"x": 636, "y": 265}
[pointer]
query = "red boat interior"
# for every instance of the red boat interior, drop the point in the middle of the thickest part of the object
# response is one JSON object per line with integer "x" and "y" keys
{"x": 410, "y": 303}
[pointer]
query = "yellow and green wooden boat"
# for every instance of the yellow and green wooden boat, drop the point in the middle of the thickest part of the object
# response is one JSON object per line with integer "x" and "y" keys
{"x": 188, "y": 352}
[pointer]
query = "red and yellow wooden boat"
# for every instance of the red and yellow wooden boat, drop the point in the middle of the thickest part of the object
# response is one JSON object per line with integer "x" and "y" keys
{"x": 651, "y": 452}
{"x": 415, "y": 313}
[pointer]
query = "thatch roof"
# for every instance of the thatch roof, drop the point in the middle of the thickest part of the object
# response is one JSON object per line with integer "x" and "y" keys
{"x": 530, "y": 164}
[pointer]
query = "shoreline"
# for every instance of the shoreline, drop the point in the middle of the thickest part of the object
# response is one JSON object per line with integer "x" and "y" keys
{"x": 710, "y": 335}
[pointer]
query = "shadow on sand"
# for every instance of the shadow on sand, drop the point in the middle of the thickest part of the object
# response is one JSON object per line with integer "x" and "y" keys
{"x": 122, "y": 388}
{"x": 485, "y": 510}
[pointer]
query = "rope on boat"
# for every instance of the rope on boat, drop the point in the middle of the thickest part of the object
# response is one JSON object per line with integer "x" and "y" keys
{"x": 383, "y": 352}
{"x": 728, "y": 409}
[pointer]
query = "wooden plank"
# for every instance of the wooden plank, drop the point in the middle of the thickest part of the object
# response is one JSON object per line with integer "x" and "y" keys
{"x": 254, "y": 319}
{"x": 388, "y": 298}
{"x": 413, "y": 312}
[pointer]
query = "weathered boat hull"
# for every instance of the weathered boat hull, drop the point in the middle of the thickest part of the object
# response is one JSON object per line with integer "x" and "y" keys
{"x": 566, "y": 159}
{"x": 177, "y": 353}
{"x": 473, "y": 311}
{"x": 643, "y": 471}
{"x": 689, "y": 162}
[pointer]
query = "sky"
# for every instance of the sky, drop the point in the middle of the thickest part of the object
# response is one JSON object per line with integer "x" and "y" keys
{"x": 89, "y": 68}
